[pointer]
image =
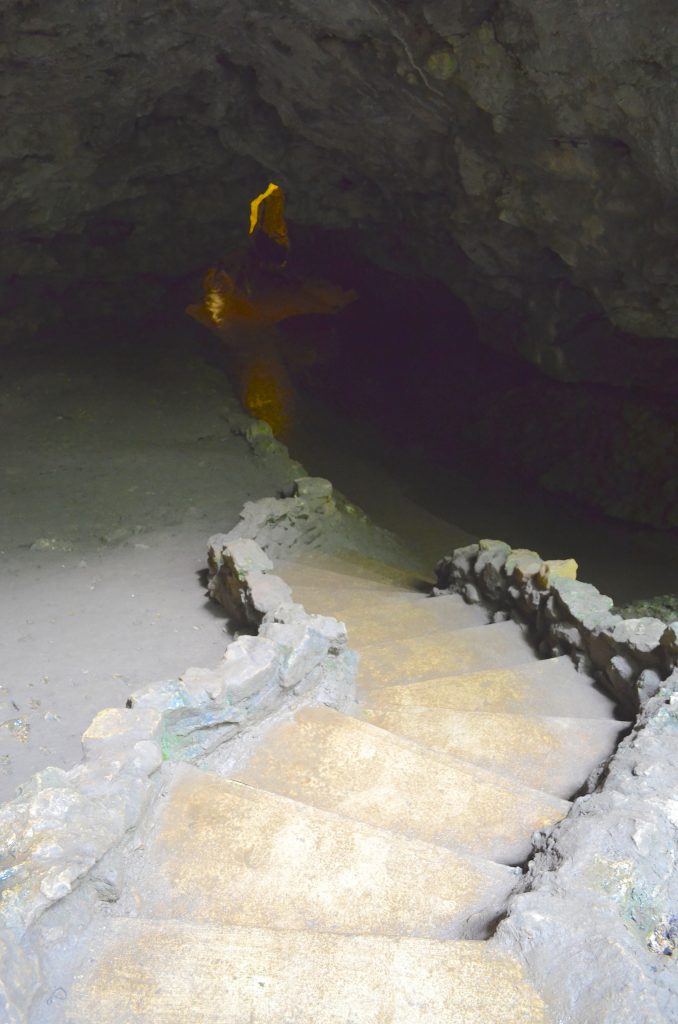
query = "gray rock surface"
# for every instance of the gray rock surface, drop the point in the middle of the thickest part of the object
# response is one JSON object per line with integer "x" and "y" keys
{"x": 595, "y": 922}
{"x": 535, "y": 171}
{"x": 310, "y": 516}
{"x": 597, "y": 925}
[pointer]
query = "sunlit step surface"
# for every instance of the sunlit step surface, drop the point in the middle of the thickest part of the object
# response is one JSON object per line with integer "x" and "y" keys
{"x": 555, "y": 755}
{"x": 337, "y": 763}
{"x": 329, "y": 601}
{"x": 552, "y": 687}
{"x": 300, "y": 574}
{"x": 224, "y": 853}
{"x": 356, "y": 565}
{"x": 165, "y": 972}
{"x": 407, "y": 660}
{"x": 369, "y": 622}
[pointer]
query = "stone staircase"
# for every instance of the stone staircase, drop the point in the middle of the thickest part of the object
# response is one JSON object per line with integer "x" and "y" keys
{"x": 351, "y": 868}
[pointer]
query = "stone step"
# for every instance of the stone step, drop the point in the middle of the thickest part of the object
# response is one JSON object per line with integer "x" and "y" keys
{"x": 552, "y": 687}
{"x": 224, "y": 853}
{"x": 301, "y": 574}
{"x": 555, "y": 755}
{"x": 442, "y": 652}
{"x": 324, "y": 600}
{"x": 168, "y": 972}
{"x": 339, "y": 764}
{"x": 369, "y": 622}
{"x": 354, "y": 564}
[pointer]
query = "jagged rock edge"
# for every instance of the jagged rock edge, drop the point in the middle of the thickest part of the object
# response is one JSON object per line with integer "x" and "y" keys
{"x": 291, "y": 654}
{"x": 594, "y": 922}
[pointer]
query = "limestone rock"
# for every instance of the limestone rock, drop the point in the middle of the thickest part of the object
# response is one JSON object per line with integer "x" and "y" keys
{"x": 641, "y": 635}
{"x": 250, "y": 664}
{"x": 561, "y": 568}
{"x": 583, "y": 602}
{"x": 120, "y": 728}
{"x": 522, "y": 563}
{"x": 242, "y": 580}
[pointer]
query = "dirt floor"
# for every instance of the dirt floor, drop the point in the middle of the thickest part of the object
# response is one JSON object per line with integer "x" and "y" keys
{"x": 118, "y": 461}
{"x": 116, "y": 465}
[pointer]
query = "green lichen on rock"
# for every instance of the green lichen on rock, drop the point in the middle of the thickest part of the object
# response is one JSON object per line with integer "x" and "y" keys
{"x": 664, "y": 607}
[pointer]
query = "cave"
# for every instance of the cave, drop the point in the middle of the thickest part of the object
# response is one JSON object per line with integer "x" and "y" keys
{"x": 411, "y": 267}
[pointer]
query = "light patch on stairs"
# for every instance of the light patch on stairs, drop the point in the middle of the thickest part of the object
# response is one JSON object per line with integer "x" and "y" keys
{"x": 168, "y": 972}
{"x": 442, "y": 652}
{"x": 369, "y": 622}
{"x": 551, "y": 687}
{"x": 555, "y": 755}
{"x": 225, "y": 853}
{"x": 301, "y": 574}
{"x": 339, "y": 764}
{"x": 358, "y": 566}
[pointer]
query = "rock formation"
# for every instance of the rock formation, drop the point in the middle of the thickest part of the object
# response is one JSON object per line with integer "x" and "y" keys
{"x": 525, "y": 155}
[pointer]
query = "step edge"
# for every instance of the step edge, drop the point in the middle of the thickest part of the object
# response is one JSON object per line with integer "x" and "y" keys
{"x": 311, "y": 810}
{"x": 441, "y": 757}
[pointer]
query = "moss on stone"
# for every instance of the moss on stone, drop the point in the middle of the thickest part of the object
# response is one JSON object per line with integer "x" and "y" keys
{"x": 664, "y": 607}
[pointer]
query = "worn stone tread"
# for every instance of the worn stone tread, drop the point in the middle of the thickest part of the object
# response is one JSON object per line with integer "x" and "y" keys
{"x": 168, "y": 972}
{"x": 555, "y": 755}
{"x": 221, "y": 852}
{"x": 337, "y": 763}
{"x": 354, "y": 564}
{"x": 325, "y": 600}
{"x": 442, "y": 652}
{"x": 370, "y": 622}
{"x": 552, "y": 687}
{"x": 300, "y": 574}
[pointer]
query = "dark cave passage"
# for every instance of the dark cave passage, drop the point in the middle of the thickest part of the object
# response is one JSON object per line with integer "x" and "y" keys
{"x": 398, "y": 383}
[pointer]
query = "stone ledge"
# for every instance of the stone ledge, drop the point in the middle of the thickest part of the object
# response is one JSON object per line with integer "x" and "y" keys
{"x": 63, "y": 822}
{"x": 595, "y": 922}
{"x": 629, "y": 657}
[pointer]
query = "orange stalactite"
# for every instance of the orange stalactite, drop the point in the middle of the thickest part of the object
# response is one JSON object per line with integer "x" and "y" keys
{"x": 244, "y": 308}
{"x": 267, "y": 214}
{"x": 266, "y": 392}
{"x": 224, "y": 305}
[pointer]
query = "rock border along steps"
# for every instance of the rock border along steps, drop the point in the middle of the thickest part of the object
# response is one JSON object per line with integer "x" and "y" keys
{"x": 281, "y": 880}
{"x": 278, "y": 884}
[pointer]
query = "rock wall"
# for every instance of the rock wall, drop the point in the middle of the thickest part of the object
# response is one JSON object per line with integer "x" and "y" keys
{"x": 630, "y": 657}
{"x": 595, "y": 921}
{"x": 524, "y": 154}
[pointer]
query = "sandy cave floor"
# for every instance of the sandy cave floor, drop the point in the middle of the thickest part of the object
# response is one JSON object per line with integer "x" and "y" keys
{"x": 117, "y": 464}
{"x": 115, "y": 468}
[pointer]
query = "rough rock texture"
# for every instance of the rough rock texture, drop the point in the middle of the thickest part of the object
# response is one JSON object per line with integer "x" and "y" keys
{"x": 629, "y": 657}
{"x": 524, "y": 153}
{"x": 310, "y": 516}
{"x": 597, "y": 925}
{"x": 61, "y": 824}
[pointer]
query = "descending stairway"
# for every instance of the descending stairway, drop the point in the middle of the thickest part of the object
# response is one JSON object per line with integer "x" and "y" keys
{"x": 350, "y": 870}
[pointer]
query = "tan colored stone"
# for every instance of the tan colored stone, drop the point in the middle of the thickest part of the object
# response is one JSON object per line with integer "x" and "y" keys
{"x": 337, "y": 763}
{"x": 555, "y": 755}
{"x": 304, "y": 574}
{"x": 323, "y": 600}
{"x": 369, "y": 622}
{"x": 560, "y": 568}
{"x": 358, "y": 566}
{"x": 225, "y": 853}
{"x": 550, "y": 687}
{"x": 170, "y": 973}
{"x": 442, "y": 652}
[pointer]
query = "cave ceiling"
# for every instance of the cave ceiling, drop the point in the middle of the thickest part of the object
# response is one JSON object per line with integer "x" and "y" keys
{"x": 526, "y": 154}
